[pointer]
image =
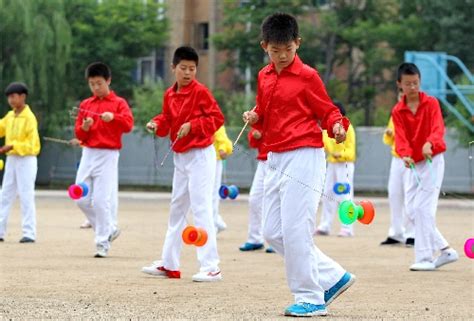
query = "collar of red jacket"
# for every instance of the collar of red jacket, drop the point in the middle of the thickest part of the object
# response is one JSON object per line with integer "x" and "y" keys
{"x": 294, "y": 68}
{"x": 110, "y": 96}
{"x": 184, "y": 90}
{"x": 403, "y": 102}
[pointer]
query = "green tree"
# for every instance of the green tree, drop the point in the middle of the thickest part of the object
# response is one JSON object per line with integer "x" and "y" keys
{"x": 147, "y": 101}
{"x": 363, "y": 40}
{"x": 446, "y": 25}
{"x": 116, "y": 32}
{"x": 35, "y": 48}
{"x": 240, "y": 33}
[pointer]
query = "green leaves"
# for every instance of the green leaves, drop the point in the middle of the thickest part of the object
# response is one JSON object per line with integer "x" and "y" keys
{"x": 48, "y": 44}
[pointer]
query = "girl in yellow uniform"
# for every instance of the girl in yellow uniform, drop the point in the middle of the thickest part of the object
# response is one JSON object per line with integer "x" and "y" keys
{"x": 340, "y": 169}
{"x": 401, "y": 228}
{"x": 223, "y": 146}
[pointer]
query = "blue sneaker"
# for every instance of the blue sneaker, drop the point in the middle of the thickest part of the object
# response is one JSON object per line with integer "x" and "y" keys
{"x": 306, "y": 310}
{"x": 343, "y": 284}
{"x": 251, "y": 247}
{"x": 269, "y": 250}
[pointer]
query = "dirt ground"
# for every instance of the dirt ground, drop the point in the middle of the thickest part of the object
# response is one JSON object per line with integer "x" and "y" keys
{"x": 57, "y": 277}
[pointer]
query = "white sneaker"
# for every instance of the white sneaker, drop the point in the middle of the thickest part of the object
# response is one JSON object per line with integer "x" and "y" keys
{"x": 157, "y": 269}
{"x": 86, "y": 224}
{"x": 207, "y": 276}
{"x": 101, "y": 251}
{"x": 447, "y": 256}
{"x": 152, "y": 269}
{"x": 423, "y": 266}
{"x": 345, "y": 233}
{"x": 220, "y": 224}
{"x": 114, "y": 235}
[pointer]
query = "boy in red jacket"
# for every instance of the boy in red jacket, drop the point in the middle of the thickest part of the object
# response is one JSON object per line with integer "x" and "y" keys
{"x": 292, "y": 109}
{"x": 190, "y": 116}
{"x": 100, "y": 123}
{"x": 419, "y": 141}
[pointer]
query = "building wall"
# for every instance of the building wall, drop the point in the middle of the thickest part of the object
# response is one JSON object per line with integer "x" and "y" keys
{"x": 184, "y": 17}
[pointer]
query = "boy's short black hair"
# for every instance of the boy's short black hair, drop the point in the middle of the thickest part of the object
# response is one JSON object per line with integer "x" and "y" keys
{"x": 407, "y": 68}
{"x": 98, "y": 69}
{"x": 16, "y": 88}
{"x": 185, "y": 53}
{"x": 280, "y": 28}
{"x": 341, "y": 108}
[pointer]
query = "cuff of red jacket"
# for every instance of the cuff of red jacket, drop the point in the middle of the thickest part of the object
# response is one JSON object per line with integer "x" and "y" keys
{"x": 344, "y": 121}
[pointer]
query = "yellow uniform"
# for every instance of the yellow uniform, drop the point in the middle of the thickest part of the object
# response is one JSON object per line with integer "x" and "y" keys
{"x": 21, "y": 131}
{"x": 339, "y": 170}
{"x": 346, "y": 149}
{"x": 222, "y": 142}
{"x": 390, "y": 140}
{"x": 401, "y": 227}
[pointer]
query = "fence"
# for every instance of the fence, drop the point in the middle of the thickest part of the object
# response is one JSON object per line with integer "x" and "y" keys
{"x": 142, "y": 154}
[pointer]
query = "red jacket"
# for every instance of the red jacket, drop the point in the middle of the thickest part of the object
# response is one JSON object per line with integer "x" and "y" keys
{"x": 195, "y": 104}
{"x": 293, "y": 108}
{"x": 256, "y": 143}
{"x": 412, "y": 131}
{"x": 102, "y": 134}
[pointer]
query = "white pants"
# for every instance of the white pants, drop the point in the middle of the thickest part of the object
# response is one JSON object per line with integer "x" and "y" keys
{"x": 218, "y": 220}
{"x": 256, "y": 195}
{"x": 113, "y": 208}
{"x": 401, "y": 226}
{"x": 336, "y": 173}
{"x": 422, "y": 200}
{"x": 98, "y": 169}
{"x": 292, "y": 184}
{"x": 193, "y": 181}
{"x": 19, "y": 179}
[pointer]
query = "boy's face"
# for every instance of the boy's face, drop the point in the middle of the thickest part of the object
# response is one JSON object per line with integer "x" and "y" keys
{"x": 410, "y": 85}
{"x": 185, "y": 72}
{"x": 16, "y": 100}
{"x": 99, "y": 86}
{"x": 281, "y": 55}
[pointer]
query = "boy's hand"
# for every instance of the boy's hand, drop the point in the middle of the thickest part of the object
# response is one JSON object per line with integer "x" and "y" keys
{"x": 222, "y": 154}
{"x": 74, "y": 142}
{"x": 107, "y": 116}
{"x": 389, "y": 132}
{"x": 257, "y": 134}
{"x": 5, "y": 149}
{"x": 151, "y": 126}
{"x": 336, "y": 155}
{"x": 408, "y": 161}
{"x": 250, "y": 116}
{"x": 339, "y": 133}
{"x": 184, "y": 130}
{"x": 427, "y": 150}
{"x": 87, "y": 124}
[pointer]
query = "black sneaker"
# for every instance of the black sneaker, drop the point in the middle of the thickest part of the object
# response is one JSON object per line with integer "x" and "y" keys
{"x": 25, "y": 239}
{"x": 410, "y": 242}
{"x": 1, "y": 240}
{"x": 390, "y": 241}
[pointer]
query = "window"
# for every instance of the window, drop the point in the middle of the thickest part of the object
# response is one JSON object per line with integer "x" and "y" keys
{"x": 202, "y": 36}
{"x": 151, "y": 68}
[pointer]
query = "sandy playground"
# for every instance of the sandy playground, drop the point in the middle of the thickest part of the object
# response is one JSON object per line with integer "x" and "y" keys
{"x": 57, "y": 277}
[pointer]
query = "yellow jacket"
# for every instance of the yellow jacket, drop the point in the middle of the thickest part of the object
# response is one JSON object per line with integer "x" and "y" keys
{"x": 222, "y": 142}
{"x": 346, "y": 149}
{"x": 21, "y": 132}
{"x": 390, "y": 140}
